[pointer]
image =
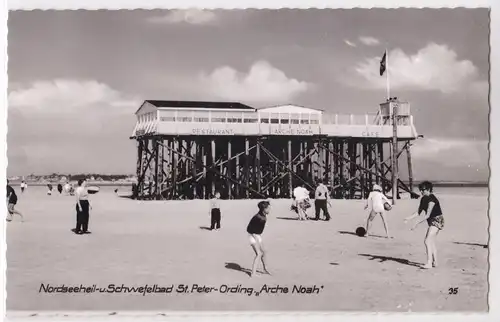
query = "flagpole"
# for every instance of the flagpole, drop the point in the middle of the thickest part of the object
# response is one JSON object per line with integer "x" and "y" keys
{"x": 388, "y": 85}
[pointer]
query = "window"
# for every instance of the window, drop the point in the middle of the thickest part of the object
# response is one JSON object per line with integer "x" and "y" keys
{"x": 285, "y": 121}
{"x": 304, "y": 121}
{"x": 167, "y": 119}
{"x": 218, "y": 119}
{"x": 201, "y": 119}
{"x": 314, "y": 121}
{"x": 250, "y": 120}
{"x": 233, "y": 120}
{"x": 184, "y": 119}
{"x": 275, "y": 121}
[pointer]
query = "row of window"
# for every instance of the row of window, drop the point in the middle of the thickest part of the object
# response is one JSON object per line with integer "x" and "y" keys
{"x": 234, "y": 120}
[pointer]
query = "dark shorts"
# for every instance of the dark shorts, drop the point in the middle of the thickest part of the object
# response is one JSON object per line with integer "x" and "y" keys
{"x": 10, "y": 208}
{"x": 437, "y": 222}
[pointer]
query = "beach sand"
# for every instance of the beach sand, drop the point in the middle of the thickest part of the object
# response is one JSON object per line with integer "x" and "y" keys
{"x": 166, "y": 243}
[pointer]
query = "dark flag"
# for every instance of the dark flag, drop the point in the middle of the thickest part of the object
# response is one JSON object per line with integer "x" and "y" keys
{"x": 382, "y": 63}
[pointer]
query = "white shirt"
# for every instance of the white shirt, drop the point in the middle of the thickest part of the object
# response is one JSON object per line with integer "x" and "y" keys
{"x": 300, "y": 193}
{"x": 321, "y": 192}
{"x": 81, "y": 193}
{"x": 376, "y": 201}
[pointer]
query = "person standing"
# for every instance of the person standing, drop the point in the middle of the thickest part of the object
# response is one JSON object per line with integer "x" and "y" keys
{"x": 375, "y": 202}
{"x": 49, "y": 186}
{"x": 215, "y": 213}
{"x": 11, "y": 203}
{"x": 82, "y": 208}
{"x": 23, "y": 186}
{"x": 430, "y": 206}
{"x": 59, "y": 188}
{"x": 321, "y": 201}
{"x": 301, "y": 196}
{"x": 255, "y": 229}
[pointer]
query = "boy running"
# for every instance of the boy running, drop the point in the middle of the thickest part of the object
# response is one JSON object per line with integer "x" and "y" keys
{"x": 11, "y": 203}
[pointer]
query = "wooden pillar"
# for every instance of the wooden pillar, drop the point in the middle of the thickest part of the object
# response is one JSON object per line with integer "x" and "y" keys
{"x": 213, "y": 176}
{"x": 175, "y": 162}
{"x": 138, "y": 192}
{"x": 195, "y": 166}
{"x": 238, "y": 174}
{"x": 290, "y": 177}
{"x": 156, "y": 148}
{"x": 247, "y": 167}
{"x": 203, "y": 147}
{"x": 229, "y": 170}
{"x": 394, "y": 157}
{"x": 257, "y": 166}
{"x": 410, "y": 169}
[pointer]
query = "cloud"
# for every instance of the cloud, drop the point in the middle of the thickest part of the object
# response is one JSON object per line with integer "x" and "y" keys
{"x": 369, "y": 41}
{"x": 452, "y": 152}
{"x": 433, "y": 68}
{"x": 262, "y": 83}
{"x": 67, "y": 96}
{"x": 190, "y": 16}
{"x": 349, "y": 43}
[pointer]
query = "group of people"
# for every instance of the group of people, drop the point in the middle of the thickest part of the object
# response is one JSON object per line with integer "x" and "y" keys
{"x": 302, "y": 202}
{"x": 82, "y": 205}
{"x": 429, "y": 210}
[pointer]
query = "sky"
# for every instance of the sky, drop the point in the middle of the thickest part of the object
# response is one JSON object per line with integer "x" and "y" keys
{"x": 77, "y": 77}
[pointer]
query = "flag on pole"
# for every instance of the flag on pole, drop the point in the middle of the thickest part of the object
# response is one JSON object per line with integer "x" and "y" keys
{"x": 383, "y": 63}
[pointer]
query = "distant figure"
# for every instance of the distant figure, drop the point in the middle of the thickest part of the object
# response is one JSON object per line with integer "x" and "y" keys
{"x": 59, "y": 188}
{"x": 11, "y": 203}
{"x": 254, "y": 229}
{"x": 376, "y": 201}
{"x": 49, "y": 186}
{"x": 67, "y": 187}
{"x": 430, "y": 206}
{"x": 23, "y": 186}
{"x": 82, "y": 208}
{"x": 301, "y": 196}
{"x": 215, "y": 213}
{"x": 116, "y": 190}
{"x": 321, "y": 201}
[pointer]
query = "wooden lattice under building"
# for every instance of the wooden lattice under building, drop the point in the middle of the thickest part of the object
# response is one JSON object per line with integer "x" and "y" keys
{"x": 189, "y": 150}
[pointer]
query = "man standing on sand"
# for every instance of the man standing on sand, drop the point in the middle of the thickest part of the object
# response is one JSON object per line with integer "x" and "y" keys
{"x": 321, "y": 200}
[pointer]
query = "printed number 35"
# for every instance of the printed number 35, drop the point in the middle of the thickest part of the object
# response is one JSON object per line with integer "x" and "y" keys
{"x": 453, "y": 290}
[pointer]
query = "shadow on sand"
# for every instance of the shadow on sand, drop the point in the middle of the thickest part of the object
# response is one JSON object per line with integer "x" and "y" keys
{"x": 238, "y": 268}
{"x": 354, "y": 234}
{"x": 287, "y": 218}
{"x": 126, "y": 197}
{"x": 205, "y": 228}
{"x": 471, "y": 244}
{"x": 382, "y": 259}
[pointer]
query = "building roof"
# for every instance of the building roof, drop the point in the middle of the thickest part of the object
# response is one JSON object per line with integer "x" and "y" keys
{"x": 289, "y": 109}
{"x": 200, "y": 104}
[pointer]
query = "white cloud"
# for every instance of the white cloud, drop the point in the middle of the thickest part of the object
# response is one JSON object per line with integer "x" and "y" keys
{"x": 67, "y": 96}
{"x": 433, "y": 68}
{"x": 452, "y": 152}
{"x": 190, "y": 16}
{"x": 349, "y": 43}
{"x": 369, "y": 41}
{"x": 262, "y": 83}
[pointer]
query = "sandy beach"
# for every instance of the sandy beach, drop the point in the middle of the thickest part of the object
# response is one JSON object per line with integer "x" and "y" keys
{"x": 166, "y": 243}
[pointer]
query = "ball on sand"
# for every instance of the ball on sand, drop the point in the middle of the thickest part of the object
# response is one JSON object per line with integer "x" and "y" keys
{"x": 360, "y": 231}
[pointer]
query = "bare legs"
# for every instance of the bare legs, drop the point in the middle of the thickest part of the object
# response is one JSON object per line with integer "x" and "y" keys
{"x": 430, "y": 247}
{"x": 260, "y": 253}
{"x": 384, "y": 220}
{"x": 13, "y": 212}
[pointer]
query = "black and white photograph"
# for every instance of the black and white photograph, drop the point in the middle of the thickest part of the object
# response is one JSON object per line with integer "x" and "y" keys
{"x": 295, "y": 160}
